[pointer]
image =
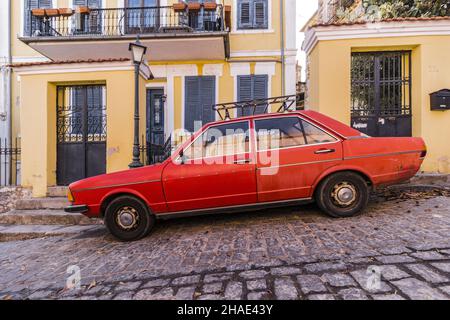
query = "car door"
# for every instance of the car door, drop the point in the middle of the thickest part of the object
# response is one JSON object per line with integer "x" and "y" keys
{"x": 291, "y": 154}
{"x": 216, "y": 170}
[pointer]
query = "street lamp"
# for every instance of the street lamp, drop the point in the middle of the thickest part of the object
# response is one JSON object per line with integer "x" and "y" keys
{"x": 137, "y": 52}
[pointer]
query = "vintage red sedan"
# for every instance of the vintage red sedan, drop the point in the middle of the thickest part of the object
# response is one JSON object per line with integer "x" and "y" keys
{"x": 251, "y": 163}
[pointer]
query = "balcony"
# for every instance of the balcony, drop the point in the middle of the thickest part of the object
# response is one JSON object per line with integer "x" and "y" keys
{"x": 170, "y": 32}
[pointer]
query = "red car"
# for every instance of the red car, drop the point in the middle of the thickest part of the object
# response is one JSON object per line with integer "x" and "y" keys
{"x": 248, "y": 163}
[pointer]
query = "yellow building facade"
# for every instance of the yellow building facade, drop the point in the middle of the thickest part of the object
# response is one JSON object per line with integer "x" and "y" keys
{"x": 73, "y": 83}
{"x": 378, "y": 77}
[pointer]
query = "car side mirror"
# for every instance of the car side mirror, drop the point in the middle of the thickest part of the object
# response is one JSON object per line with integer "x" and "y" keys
{"x": 182, "y": 157}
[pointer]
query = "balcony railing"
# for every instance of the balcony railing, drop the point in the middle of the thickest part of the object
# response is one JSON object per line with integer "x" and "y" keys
{"x": 110, "y": 22}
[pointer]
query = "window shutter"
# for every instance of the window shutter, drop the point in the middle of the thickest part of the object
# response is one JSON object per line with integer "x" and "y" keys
{"x": 191, "y": 101}
{"x": 245, "y": 93}
{"x": 244, "y": 14}
{"x": 29, "y": 5}
{"x": 45, "y": 3}
{"x": 208, "y": 98}
{"x": 260, "y": 91}
{"x": 260, "y": 14}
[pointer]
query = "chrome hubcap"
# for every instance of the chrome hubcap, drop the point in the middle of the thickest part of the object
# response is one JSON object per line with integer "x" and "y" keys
{"x": 127, "y": 218}
{"x": 344, "y": 194}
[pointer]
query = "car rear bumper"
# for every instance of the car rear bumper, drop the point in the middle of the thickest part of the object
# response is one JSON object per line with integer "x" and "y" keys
{"x": 77, "y": 209}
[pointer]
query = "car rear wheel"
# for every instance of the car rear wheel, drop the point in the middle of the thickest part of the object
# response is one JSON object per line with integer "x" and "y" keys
{"x": 128, "y": 218}
{"x": 343, "y": 195}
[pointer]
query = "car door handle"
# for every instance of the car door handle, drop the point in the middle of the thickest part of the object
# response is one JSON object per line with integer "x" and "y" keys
{"x": 242, "y": 161}
{"x": 323, "y": 151}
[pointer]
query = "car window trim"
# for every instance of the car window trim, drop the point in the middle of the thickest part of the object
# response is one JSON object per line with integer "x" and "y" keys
{"x": 229, "y": 155}
{"x": 298, "y": 146}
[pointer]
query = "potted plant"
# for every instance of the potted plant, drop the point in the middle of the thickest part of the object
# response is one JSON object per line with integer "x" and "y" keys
{"x": 83, "y": 10}
{"x": 38, "y": 12}
{"x": 179, "y": 6}
{"x": 194, "y": 6}
{"x": 210, "y": 6}
{"x": 51, "y": 12}
{"x": 65, "y": 12}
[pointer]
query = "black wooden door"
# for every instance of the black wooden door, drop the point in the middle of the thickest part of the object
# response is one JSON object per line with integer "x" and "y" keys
{"x": 381, "y": 93}
{"x": 81, "y": 132}
{"x": 200, "y": 96}
{"x": 155, "y": 125}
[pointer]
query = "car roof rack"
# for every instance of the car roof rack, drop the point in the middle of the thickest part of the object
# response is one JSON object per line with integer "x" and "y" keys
{"x": 252, "y": 107}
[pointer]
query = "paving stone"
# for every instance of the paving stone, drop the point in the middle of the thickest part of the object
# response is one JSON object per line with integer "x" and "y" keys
{"x": 186, "y": 280}
{"x": 311, "y": 283}
{"x": 151, "y": 294}
{"x": 321, "y": 297}
{"x": 185, "y": 293}
{"x": 387, "y": 297}
{"x": 285, "y": 289}
{"x": 428, "y": 255}
{"x": 156, "y": 283}
{"x": 258, "y": 296}
{"x": 395, "y": 259}
{"x": 446, "y": 289}
{"x": 233, "y": 291}
{"x": 418, "y": 290}
{"x": 253, "y": 274}
{"x": 353, "y": 294}
{"x": 284, "y": 271}
{"x": 212, "y": 287}
{"x": 338, "y": 279}
{"x": 210, "y": 297}
{"x": 127, "y": 295}
{"x": 325, "y": 266}
{"x": 390, "y": 272}
{"x": 369, "y": 281}
{"x": 255, "y": 285}
{"x": 217, "y": 277}
{"x": 443, "y": 266}
{"x": 128, "y": 286}
{"x": 394, "y": 250}
{"x": 40, "y": 295}
{"x": 426, "y": 273}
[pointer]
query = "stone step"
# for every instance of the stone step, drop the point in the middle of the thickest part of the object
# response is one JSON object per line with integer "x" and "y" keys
{"x": 24, "y": 232}
{"x": 56, "y": 191}
{"x": 57, "y": 203}
{"x": 45, "y": 217}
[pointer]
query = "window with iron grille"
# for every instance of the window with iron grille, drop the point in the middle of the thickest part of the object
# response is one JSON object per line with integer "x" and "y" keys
{"x": 252, "y": 14}
{"x": 381, "y": 84}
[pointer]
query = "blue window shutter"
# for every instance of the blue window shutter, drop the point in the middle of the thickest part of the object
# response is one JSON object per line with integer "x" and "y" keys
{"x": 208, "y": 98}
{"x": 260, "y": 14}
{"x": 245, "y": 93}
{"x": 260, "y": 91}
{"x": 33, "y": 4}
{"x": 244, "y": 14}
{"x": 191, "y": 101}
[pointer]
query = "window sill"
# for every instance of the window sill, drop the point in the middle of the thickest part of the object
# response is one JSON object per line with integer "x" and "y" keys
{"x": 252, "y": 31}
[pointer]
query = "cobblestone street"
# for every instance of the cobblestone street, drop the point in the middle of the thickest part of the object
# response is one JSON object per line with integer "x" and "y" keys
{"x": 295, "y": 253}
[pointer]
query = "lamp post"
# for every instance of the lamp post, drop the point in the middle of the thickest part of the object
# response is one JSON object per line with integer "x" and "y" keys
{"x": 138, "y": 51}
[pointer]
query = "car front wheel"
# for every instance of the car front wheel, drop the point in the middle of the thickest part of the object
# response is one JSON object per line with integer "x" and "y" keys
{"x": 128, "y": 218}
{"x": 343, "y": 195}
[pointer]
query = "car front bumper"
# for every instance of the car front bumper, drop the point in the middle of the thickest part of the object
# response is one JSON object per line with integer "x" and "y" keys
{"x": 77, "y": 209}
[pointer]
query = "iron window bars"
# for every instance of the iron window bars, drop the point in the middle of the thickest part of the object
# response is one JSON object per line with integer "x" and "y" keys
{"x": 284, "y": 103}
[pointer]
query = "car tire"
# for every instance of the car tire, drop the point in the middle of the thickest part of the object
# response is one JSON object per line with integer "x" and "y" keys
{"x": 128, "y": 218}
{"x": 343, "y": 195}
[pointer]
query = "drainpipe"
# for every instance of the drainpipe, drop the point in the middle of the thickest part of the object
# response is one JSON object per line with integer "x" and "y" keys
{"x": 283, "y": 55}
{"x": 8, "y": 106}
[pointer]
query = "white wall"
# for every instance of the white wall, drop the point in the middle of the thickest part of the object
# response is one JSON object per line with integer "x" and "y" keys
{"x": 4, "y": 73}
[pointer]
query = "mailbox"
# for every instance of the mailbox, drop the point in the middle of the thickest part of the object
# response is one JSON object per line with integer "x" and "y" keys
{"x": 440, "y": 100}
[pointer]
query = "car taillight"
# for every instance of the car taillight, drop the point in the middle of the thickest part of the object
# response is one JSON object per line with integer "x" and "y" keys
{"x": 70, "y": 196}
{"x": 423, "y": 154}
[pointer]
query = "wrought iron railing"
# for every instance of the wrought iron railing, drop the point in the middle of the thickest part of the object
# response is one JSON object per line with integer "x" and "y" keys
{"x": 10, "y": 153}
{"x": 155, "y": 153}
{"x": 126, "y": 21}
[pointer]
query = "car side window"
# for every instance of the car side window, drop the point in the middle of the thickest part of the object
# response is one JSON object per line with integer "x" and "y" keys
{"x": 315, "y": 135}
{"x": 221, "y": 140}
{"x": 286, "y": 132}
